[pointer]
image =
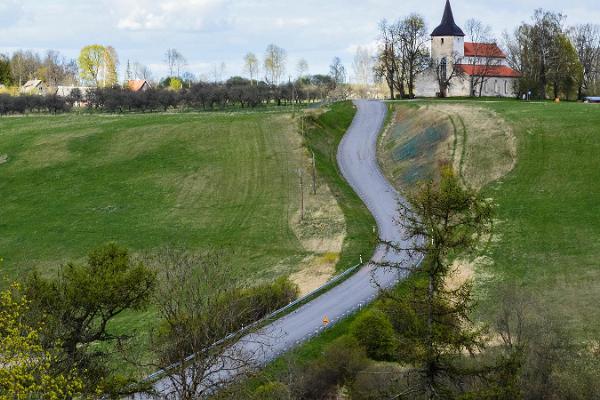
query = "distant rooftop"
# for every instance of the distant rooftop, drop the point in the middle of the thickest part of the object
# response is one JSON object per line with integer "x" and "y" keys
{"x": 448, "y": 27}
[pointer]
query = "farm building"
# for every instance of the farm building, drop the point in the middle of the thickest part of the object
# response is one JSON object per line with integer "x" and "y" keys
{"x": 34, "y": 87}
{"x": 138, "y": 85}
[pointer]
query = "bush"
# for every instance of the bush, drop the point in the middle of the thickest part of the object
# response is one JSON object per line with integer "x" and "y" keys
{"x": 375, "y": 332}
{"x": 255, "y": 303}
{"x": 378, "y": 381}
{"x": 272, "y": 391}
{"x": 342, "y": 360}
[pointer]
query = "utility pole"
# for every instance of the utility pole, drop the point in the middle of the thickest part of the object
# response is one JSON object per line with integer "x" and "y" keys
{"x": 314, "y": 173}
{"x": 301, "y": 194}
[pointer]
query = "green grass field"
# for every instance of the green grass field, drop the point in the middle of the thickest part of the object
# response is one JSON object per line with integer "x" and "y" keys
{"x": 224, "y": 181}
{"x": 549, "y": 208}
{"x": 547, "y": 239}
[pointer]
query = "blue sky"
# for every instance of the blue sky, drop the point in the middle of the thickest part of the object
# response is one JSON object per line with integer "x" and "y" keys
{"x": 209, "y": 32}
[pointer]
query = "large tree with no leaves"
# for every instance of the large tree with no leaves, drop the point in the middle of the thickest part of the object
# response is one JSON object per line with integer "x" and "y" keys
{"x": 482, "y": 59}
{"x": 274, "y": 64}
{"x": 586, "y": 40}
{"x": 201, "y": 307}
{"x": 337, "y": 71}
{"x": 413, "y": 51}
{"x": 251, "y": 67}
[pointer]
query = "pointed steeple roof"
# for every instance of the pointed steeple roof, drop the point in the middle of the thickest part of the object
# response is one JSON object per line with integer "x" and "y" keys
{"x": 448, "y": 27}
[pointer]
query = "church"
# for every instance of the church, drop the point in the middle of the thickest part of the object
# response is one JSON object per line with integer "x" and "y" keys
{"x": 463, "y": 68}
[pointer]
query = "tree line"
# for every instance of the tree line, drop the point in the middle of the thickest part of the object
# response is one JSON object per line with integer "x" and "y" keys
{"x": 236, "y": 92}
{"x": 555, "y": 59}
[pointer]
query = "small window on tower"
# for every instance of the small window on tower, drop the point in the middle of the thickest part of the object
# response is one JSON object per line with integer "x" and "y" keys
{"x": 442, "y": 40}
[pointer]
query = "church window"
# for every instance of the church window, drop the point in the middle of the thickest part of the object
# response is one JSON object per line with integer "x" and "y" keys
{"x": 442, "y": 40}
{"x": 444, "y": 69}
{"x": 505, "y": 87}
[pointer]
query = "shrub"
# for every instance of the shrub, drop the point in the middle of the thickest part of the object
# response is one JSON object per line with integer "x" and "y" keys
{"x": 272, "y": 391}
{"x": 375, "y": 332}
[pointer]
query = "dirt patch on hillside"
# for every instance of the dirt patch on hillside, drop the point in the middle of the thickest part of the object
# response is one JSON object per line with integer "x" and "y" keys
{"x": 479, "y": 144}
{"x": 486, "y": 147}
{"x": 3, "y": 158}
{"x": 315, "y": 272}
{"x": 464, "y": 270}
{"x": 320, "y": 227}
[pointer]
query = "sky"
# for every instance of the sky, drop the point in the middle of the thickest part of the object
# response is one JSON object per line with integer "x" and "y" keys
{"x": 211, "y": 32}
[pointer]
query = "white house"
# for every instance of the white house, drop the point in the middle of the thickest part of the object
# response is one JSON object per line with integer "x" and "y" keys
{"x": 34, "y": 86}
{"x": 481, "y": 63}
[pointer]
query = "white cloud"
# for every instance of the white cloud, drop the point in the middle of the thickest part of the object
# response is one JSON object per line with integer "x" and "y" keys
{"x": 11, "y": 11}
{"x": 153, "y": 15}
{"x": 285, "y": 22}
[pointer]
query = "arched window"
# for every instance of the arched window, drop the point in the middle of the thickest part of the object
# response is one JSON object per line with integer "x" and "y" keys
{"x": 505, "y": 87}
{"x": 442, "y": 40}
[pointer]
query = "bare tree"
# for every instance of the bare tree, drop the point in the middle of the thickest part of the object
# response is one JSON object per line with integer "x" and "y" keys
{"x": 24, "y": 65}
{"x": 175, "y": 62}
{"x": 302, "y": 68}
{"x": 197, "y": 301}
{"x": 363, "y": 66}
{"x": 141, "y": 71}
{"x": 251, "y": 66}
{"x": 413, "y": 38}
{"x": 219, "y": 72}
{"x": 586, "y": 39}
{"x": 337, "y": 71}
{"x": 274, "y": 64}
{"x": 388, "y": 65}
{"x": 484, "y": 58}
{"x": 446, "y": 71}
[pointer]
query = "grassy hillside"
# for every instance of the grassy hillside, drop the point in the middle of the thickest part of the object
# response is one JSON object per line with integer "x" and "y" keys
{"x": 226, "y": 181}
{"x": 547, "y": 237}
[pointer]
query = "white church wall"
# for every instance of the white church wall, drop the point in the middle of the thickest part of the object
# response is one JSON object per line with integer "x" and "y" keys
{"x": 447, "y": 46}
{"x": 499, "y": 87}
{"x": 426, "y": 86}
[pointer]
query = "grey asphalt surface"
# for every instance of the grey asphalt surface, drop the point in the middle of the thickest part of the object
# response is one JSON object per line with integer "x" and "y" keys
{"x": 357, "y": 161}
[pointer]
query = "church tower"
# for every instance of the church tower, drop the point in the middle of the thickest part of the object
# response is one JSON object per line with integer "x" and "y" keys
{"x": 447, "y": 40}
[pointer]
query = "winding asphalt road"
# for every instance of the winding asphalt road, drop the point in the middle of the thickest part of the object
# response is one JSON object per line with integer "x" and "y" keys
{"x": 357, "y": 161}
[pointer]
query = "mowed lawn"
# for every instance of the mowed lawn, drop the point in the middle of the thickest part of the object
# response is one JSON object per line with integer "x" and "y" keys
{"x": 198, "y": 181}
{"x": 548, "y": 236}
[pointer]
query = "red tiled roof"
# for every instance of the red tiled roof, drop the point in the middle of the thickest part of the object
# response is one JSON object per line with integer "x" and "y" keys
{"x": 483, "y": 50}
{"x": 136, "y": 85}
{"x": 500, "y": 71}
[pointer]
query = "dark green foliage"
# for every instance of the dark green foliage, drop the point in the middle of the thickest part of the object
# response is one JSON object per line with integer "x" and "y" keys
{"x": 5, "y": 73}
{"x": 379, "y": 381}
{"x": 272, "y": 391}
{"x": 432, "y": 321}
{"x": 77, "y": 307}
{"x": 254, "y": 303}
{"x": 341, "y": 361}
{"x": 375, "y": 333}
